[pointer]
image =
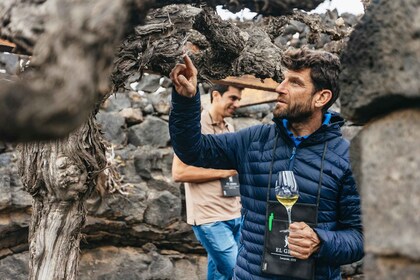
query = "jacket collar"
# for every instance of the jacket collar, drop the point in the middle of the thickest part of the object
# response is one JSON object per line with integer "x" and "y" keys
{"x": 325, "y": 132}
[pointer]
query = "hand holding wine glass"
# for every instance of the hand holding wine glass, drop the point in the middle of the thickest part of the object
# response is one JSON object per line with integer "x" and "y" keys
{"x": 287, "y": 192}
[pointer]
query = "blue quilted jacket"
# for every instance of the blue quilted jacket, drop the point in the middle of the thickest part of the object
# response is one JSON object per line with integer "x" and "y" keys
{"x": 250, "y": 151}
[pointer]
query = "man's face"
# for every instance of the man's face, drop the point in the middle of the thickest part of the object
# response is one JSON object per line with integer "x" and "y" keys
{"x": 228, "y": 102}
{"x": 296, "y": 96}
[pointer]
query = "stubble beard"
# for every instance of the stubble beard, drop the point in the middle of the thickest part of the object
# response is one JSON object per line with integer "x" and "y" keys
{"x": 299, "y": 113}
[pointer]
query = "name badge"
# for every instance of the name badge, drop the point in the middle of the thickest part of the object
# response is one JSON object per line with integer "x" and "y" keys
{"x": 230, "y": 186}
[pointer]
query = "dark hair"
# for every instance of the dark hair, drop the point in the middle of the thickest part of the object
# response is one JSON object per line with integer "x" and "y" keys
{"x": 325, "y": 69}
{"x": 221, "y": 89}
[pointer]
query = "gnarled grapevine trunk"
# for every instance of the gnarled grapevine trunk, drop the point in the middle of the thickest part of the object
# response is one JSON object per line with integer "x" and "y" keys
{"x": 60, "y": 175}
{"x": 55, "y": 237}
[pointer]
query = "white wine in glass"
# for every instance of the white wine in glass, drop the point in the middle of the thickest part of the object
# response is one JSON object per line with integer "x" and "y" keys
{"x": 287, "y": 192}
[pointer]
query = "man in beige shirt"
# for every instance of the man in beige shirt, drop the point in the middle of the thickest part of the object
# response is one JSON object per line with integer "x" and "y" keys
{"x": 212, "y": 195}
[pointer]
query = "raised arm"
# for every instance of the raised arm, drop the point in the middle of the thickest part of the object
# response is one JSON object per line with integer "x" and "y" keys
{"x": 193, "y": 148}
{"x": 191, "y": 174}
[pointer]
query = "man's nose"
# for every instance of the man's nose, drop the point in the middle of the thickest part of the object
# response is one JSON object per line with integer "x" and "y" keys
{"x": 281, "y": 88}
{"x": 236, "y": 104}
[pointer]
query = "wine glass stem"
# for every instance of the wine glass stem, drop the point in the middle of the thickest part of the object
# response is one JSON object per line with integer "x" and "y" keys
{"x": 289, "y": 215}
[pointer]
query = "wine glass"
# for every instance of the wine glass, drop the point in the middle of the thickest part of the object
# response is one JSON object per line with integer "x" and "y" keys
{"x": 287, "y": 192}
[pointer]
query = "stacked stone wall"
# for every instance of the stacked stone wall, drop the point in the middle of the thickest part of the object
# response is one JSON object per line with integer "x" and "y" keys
{"x": 381, "y": 88}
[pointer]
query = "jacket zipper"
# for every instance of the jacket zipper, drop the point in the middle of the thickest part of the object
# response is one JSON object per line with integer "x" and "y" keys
{"x": 292, "y": 158}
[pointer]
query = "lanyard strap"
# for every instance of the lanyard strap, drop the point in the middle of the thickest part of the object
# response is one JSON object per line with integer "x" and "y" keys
{"x": 271, "y": 168}
{"x": 320, "y": 180}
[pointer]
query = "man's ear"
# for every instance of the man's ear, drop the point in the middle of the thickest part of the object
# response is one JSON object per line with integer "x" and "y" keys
{"x": 322, "y": 97}
{"x": 215, "y": 94}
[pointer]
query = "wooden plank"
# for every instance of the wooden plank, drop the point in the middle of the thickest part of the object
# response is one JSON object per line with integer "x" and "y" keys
{"x": 249, "y": 81}
{"x": 7, "y": 43}
{"x": 6, "y": 46}
{"x": 255, "y": 90}
{"x": 253, "y": 97}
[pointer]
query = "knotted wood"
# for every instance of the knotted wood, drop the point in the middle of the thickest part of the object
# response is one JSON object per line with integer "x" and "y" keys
{"x": 60, "y": 175}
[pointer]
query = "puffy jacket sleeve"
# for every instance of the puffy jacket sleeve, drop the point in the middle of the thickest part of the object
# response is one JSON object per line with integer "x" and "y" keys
{"x": 193, "y": 148}
{"x": 344, "y": 245}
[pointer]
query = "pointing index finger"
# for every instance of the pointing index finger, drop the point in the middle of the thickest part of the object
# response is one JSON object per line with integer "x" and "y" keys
{"x": 188, "y": 61}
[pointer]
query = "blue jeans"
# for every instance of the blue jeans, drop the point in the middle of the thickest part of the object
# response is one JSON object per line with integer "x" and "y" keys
{"x": 221, "y": 241}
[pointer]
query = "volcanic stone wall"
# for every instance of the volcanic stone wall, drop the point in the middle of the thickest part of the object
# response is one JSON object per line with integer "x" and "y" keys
{"x": 381, "y": 87}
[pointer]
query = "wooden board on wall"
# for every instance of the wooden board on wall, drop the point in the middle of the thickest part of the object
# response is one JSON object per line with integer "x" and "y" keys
{"x": 256, "y": 91}
{"x": 6, "y": 46}
{"x": 253, "y": 97}
{"x": 249, "y": 81}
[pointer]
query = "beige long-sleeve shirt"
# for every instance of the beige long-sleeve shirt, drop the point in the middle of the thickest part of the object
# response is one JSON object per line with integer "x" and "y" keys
{"x": 205, "y": 202}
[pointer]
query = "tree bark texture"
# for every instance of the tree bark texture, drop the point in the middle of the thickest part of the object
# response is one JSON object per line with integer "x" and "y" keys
{"x": 218, "y": 48}
{"x": 60, "y": 175}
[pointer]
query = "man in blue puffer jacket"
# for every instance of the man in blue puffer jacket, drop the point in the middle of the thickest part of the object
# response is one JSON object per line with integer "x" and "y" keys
{"x": 307, "y": 136}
